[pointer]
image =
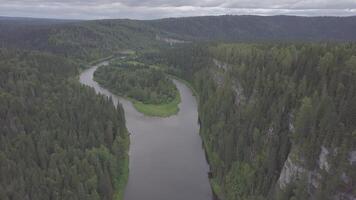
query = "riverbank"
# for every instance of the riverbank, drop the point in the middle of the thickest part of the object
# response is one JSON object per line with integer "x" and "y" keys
{"x": 187, "y": 83}
{"x": 158, "y": 110}
{"x": 161, "y": 145}
{"x": 120, "y": 178}
{"x": 210, "y": 156}
{"x": 150, "y": 91}
{"x": 154, "y": 110}
{"x": 121, "y": 181}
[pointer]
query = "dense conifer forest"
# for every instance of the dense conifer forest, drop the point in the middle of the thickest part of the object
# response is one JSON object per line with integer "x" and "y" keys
{"x": 95, "y": 39}
{"x": 244, "y": 28}
{"x": 79, "y": 40}
{"x": 138, "y": 81}
{"x": 277, "y": 120}
{"x": 58, "y": 139}
{"x": 266, "y": 110}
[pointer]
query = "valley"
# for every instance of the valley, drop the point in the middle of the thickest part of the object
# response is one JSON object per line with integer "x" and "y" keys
{"x": 195, "y": 108}
{"x": 166, "y": 155}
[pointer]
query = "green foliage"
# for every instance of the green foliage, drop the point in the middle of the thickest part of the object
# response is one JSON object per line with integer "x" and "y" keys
{"x": 91, "y": 40}
{"x": 82, "y": 40}
{"x": 58, "y": 139}
{"x": 294, "y": 191}
{"x": 151, "y": 91}
{"x": 304, "y": 119}
{"x": 269, "y": 99}
{"x": 237, "y": 186}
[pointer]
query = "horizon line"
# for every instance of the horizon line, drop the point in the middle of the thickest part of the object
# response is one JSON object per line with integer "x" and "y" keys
{"x": 192, "y": 16}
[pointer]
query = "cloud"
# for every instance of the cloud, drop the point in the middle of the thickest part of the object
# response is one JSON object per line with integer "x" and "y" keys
{"x": 293, "y": 4}
{"x": 152, "y": 9}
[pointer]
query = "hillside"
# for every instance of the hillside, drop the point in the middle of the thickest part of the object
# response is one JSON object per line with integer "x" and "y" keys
{"x": 277, "y": 118}
{"x": 82, "y": 40}
{"x": 90, "y": 40}
{"x": 260, "y": 28}
{"x": 277, "y": 121}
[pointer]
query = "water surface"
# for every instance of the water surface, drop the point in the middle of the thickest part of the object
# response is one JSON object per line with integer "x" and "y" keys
{"x": 167, "y": 161}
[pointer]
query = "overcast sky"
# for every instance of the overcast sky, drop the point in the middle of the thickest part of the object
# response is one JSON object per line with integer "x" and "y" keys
{"x": 152, "y": 9}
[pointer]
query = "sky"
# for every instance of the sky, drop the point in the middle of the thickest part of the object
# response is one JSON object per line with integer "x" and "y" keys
{"x": 153, "y": 9}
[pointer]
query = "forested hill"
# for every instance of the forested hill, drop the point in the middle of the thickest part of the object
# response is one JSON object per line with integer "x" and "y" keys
{"x": 82, "y": 40}
{"x": 278, "y": 121}
{"x": 260, "y": 28}
{"x": 88, "y": 40}
{"x": 23, "y": 21}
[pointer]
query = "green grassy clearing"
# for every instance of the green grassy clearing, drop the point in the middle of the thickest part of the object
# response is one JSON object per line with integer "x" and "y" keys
{"x": 160, "y": 110}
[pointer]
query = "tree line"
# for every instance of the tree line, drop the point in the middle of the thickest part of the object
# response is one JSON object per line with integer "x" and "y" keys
{"x": 58, "y": 139}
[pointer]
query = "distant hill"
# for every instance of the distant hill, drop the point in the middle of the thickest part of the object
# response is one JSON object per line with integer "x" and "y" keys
{"x": 33, "y": 21}
{"x": 78, "y": 39}
{"x": 90, "y": 40}
{"x": 260, "y": 28}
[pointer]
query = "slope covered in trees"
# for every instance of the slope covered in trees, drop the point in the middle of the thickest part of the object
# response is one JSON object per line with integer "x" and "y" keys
{"x": 83, "y": 40}
{"x": 259, "y": 28}
{"x": 58, "y": 139}
{"x": 90, "y": 40}
{"x": 278, "y": 121}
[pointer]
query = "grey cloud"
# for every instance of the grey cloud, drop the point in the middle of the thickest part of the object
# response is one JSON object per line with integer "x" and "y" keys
{"x": 282, "y": 4}
{"x": 151, "y": 9}
{"x": 176, "y": 3}
{"x": 293, "y": 4}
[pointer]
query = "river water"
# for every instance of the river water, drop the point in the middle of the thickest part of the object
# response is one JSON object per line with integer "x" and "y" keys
{"x": 167, "y": 160}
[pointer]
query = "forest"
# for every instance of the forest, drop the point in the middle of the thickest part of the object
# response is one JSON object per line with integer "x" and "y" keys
{"x": 82, "y": 41}
{"x": 94, "y": 39}
{"x": 248, "y": 28}
{"x": 137, "y": 81}
{"x": 58, "y": 139}
{"x": 264, "y": 105}
{"x": 146, "y": 85}
{"x": 277, "y": 111}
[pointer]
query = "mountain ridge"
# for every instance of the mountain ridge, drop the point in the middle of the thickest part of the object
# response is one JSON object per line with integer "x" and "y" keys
{"x": 114, "y": 34}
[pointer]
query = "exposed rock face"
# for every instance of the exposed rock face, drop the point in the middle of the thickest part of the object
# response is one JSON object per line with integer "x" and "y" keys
{"x": 291, "y": 127}
{"x": 343, "y": 196}
{"x": 293, "y": 171}
{"x": 218, "y": 77}
{"x": 171, "y": 41}
{"x": 270, "y": 132}
{"x": 323, "y": 159}
{"x": 239, "y": 96}
{"x": 290, "y": 173}
{"x": 352, "y": 158}
{"x": 221, "y": 65}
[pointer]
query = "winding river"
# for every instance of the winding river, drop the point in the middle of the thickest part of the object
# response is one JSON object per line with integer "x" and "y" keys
{"x": 167, "y": 161}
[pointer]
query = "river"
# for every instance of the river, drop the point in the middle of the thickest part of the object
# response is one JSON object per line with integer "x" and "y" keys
{"x": 167, "y": 160}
